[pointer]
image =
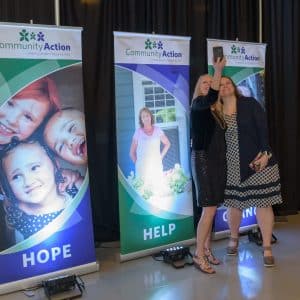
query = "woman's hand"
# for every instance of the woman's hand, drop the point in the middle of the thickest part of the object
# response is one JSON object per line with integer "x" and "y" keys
{"x": 259, "y": 162}
{"x": 219, "y": 64}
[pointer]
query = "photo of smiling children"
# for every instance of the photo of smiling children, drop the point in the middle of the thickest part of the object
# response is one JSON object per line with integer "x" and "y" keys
{"x": 43, "y": 152}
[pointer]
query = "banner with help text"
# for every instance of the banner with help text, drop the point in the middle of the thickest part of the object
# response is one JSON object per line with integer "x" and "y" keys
{"x": 245, "y": 64}
{"x": 45, "y": 213}
{"x": 152, "y": 111}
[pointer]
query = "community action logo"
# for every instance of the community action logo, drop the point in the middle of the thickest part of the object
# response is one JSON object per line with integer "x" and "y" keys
{"x": 240, "y": 53}
{"x": 34, "y": 41}
{"x": 154, "y": 48}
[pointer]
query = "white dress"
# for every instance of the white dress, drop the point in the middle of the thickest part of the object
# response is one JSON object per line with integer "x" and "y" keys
{"x": 148, "y": 166}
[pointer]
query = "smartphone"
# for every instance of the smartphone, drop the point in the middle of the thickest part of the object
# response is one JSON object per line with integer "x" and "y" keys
{"x": 217, "y": 52}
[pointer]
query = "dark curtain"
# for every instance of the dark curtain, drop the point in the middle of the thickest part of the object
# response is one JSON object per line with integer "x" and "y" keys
{"x": 217, "y": 19}
{"x": 199, "y": 19}
{"x": 281, "y": 23}
{"x": 100, "y": 19}
{"x": 40, "y": 12}
{"x": 196, "y": 18}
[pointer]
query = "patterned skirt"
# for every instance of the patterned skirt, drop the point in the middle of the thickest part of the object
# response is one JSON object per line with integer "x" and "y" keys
{"x": 262, "y": 189}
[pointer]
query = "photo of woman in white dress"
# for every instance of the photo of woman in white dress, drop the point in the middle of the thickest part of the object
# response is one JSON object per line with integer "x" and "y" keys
{"x": 146, "y": 152}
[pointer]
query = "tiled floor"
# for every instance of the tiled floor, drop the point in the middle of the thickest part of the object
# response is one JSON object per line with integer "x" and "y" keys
{"x": 242, "y": 277}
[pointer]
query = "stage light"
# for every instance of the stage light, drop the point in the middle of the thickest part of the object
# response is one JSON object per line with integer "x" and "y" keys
{"x": 177, "y": 256}
{"x": 63, "y": 287}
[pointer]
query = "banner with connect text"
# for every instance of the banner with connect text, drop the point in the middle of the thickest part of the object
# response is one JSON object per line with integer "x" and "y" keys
{"x": 45, "y": 213}
{"x": 245, "y": 64}
{"x": 152, "y": 110}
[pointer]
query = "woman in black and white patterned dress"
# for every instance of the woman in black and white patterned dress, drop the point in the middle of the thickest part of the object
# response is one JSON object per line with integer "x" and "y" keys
{"x": 252, "y": 171}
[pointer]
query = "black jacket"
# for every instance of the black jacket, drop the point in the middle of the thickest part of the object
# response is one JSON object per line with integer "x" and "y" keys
{"x": 202, "y": 121}
{"x": 252, "y": 133}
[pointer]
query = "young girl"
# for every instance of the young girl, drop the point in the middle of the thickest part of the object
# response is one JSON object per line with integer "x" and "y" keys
{"x": 21, "y": 115}
{"x": 30, "y": 180}
{"x": 65, "y": 135}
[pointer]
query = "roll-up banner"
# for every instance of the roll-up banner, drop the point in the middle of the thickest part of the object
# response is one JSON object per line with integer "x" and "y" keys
{"x": 245, "y": 64}
{"x": 152, "y": 109}
{"x": 45, "y": 213}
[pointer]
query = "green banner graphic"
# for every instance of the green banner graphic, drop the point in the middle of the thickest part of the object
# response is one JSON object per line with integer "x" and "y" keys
{"x": 152, "y": 109}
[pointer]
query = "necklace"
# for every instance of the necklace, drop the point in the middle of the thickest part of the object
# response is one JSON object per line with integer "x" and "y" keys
{"x": 148, "y": 131}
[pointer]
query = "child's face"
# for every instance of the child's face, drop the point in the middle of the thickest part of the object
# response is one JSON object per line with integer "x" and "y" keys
{"x": 30, "y": 173}
{"x": 146, "y": 118}
{"x": 65, "y": 134}
{"x": 20, "y": 117}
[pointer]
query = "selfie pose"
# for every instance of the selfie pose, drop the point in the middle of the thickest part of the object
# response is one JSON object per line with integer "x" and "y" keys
{"x": 208, "y": 160}
{"x": 252, "y": 172}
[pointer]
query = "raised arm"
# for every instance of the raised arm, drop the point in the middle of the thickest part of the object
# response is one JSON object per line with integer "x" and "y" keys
{"x": 203, "y": 100}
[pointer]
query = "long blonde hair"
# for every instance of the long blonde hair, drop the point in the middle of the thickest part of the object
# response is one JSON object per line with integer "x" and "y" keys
{"x": 216, "y": 108}
{"x": 197, "y": 91}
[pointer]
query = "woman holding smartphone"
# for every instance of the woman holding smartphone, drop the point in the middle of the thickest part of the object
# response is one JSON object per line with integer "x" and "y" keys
{"x": 208, "y": 160}
{"x": 252, "y": 172}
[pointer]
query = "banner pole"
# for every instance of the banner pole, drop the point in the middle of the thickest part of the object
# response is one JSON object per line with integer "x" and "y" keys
{"x": 260, "y": 21}
{"x": 57, "y": 12}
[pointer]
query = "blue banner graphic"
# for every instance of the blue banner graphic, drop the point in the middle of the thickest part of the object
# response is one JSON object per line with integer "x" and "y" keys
{"x": 45, "y": 213}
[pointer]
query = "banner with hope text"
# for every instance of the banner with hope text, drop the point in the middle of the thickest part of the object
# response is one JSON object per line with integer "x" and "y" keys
{"x": 45, "y": 213}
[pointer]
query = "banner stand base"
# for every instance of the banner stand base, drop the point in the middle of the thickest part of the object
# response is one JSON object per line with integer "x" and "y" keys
{"x": 226, "y": 233}
{"x": 138, "y": 254}
{"x": 36, "y": 280}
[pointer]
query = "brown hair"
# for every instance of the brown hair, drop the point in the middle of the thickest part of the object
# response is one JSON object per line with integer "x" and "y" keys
{"x": 217, "y": 112}
{"x": 236, "y": 91}
{"x": 147, "y": 110}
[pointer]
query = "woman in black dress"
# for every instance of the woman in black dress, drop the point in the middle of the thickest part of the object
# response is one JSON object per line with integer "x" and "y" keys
{"x": 208, "y": 160}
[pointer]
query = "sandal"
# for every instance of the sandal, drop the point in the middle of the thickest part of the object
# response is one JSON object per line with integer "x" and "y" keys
{"x": 233, "y": 250}
{"x": 201, "y": 263}
{"x": 269, "y": 260}
{"x": 211, "y": 258}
